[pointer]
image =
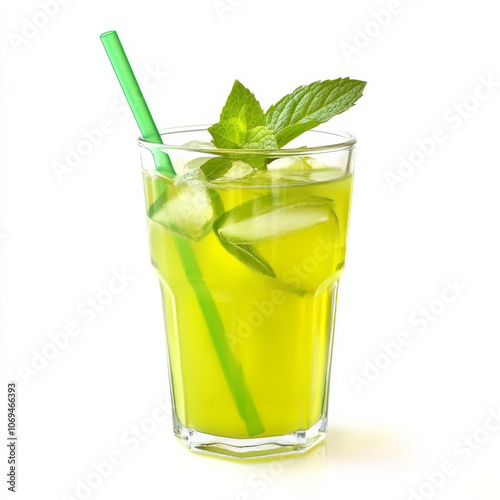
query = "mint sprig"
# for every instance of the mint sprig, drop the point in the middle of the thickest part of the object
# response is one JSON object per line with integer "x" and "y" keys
{"x": 244, "y": 125}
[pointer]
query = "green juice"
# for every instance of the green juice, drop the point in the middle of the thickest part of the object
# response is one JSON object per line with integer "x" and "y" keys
{"x": 248, "y": 239}
{"x": 277, "y": 324}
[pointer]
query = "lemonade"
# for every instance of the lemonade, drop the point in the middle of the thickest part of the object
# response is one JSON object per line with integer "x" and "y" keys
{"x": 248, "y": 239}
{"x": 270, "y": 250}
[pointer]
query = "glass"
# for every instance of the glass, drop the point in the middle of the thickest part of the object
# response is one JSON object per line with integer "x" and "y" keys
{"x": 249, "y": 265}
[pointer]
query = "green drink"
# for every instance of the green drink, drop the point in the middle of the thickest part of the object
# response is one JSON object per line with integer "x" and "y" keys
{"x": 269, "y": 246}
{"x": 248, "y": 240}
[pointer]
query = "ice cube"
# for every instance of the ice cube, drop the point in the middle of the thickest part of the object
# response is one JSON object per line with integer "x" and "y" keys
{"x": 189, "y": 211}
{"x": 314, "y": 163}
{"x": 276, "y": 236}
{"x": 312, "y": 169}
{"x": 277, "y": 223}
{"x": 325, "y": 174}
{"x": 288, "y": 163}
{"x": 184, "y": 162}
{"x": 182, "y": 166}
{"x": 239, "y": 170}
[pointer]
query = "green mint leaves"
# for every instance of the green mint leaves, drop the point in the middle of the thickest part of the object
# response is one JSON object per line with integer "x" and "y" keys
{"x": 242, "y": 104}
{"x": 309, "y": 105}
{"x": 216, "y": 167}
{"x": 244, "y": 125}
{"x": 241, "y": 113}
{"x": 260, "y": 137}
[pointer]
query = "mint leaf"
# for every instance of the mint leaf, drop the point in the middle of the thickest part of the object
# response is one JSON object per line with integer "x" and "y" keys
{"x": 229, "y": 134}
{"x": 216, "y": 167}
{"x": 242, "y": 104}
{"x": 241, "y": 112}
{"x": 260, "y": 138}
{"x": 309, "y": 105}
{"x": 248, "y": 256}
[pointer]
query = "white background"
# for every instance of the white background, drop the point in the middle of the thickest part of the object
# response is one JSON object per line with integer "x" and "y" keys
{"x": 62, "y": 237}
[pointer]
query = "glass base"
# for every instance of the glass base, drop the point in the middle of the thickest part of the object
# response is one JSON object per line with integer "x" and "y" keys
{"x": 296, "y": 442}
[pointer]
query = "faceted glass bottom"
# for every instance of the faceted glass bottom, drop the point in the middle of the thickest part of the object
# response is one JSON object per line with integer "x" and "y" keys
{"x": 296, "y": 442}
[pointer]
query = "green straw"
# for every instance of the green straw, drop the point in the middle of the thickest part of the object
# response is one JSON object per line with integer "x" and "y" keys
{"x": 135, "y": 98}
{"x": 230, "y": 366}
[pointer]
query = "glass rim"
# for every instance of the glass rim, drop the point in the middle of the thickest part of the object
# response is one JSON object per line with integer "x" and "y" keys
{"x": 347, "y": 142}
